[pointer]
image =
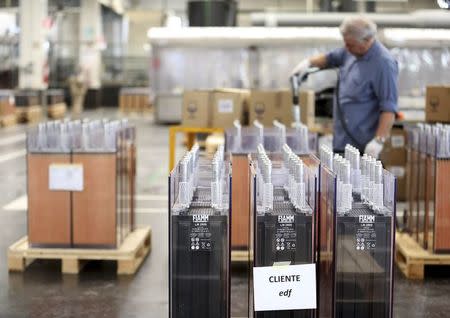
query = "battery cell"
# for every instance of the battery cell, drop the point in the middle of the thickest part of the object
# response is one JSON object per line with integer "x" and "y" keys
{"x": 356, "y": 244}
{"x": 285, "y": 232}
{"x": 363, "y": 263}
{"x": 284, "y": 235}
{"x": 200, "y": 268}
{"x": 199, "y": 240}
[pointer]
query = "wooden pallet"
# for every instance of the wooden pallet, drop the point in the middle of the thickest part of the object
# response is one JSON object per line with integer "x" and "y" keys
{"x": 57, "y": 111}
{"x": 129, "y": 256}
{"x": 238, "y": 256}
{"x": 30, "y": 114}
{"x": 8, "y": 120}
{"x": 411, "y": 258}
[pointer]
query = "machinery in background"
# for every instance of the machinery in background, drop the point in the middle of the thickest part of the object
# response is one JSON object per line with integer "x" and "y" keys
{"x": 199, "y": 237}
{"x": 212, "y": 14}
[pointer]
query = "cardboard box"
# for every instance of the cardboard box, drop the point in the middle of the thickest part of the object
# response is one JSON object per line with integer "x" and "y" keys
{"x": 227, "y": 106}
{"x": 394, "y": 150}
{"x": 307, "y": 107}
{"x": 6, "y": 108}
{"x": 264, "y": 106}
{"x": 437, "y": 107}
{"x": 196, "y": 109}
{"x": 268, "y": 105}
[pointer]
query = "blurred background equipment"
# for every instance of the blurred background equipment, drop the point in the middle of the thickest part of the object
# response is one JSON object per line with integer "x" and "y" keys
{"x": 212, "y": 13}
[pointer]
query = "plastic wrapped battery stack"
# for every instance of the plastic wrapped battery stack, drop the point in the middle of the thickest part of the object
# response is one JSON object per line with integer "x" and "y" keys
{"x": 429, "y": 163}
{"x": 199, "y": 206}
{"x": 100, "y": 212}
{"x": 363, "y": 241}
{"x": 106, "y": 150}
{"x": 422, "y": 216}
{"x": 436, "y": 237}
{"x": 285, "y": 201}
{"x": 412, "y": 160}
{"x": 423, "y": 130}
{"x": 325, "y": 237}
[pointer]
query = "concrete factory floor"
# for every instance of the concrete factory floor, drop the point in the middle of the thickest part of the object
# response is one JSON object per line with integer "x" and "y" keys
{"x": 42, "y": 291}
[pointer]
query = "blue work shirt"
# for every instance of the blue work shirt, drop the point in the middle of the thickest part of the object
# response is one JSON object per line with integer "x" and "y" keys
{"x": 367, "y": 87}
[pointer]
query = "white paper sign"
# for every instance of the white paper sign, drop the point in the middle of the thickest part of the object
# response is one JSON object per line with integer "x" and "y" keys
{"x": 285, "y": 287}
{"x": 398, "y": 141}
{"x": 65, "y": 177}
{"x": 225, "y": 106}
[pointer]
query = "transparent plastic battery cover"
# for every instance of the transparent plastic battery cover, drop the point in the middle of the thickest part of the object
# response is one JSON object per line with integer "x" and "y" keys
{"x": 185, "y": 175}
{"x": 300, "y": 140}
{"x": 424, "y": 132}
{"x": 264, "y": 180}
{"x": 389, "y": 193}
{"x": 281, "y": 133}
{"x": 412, "y": 140}
{"x": 260, "y": 131}
{"x": 217, "y": 167}
{"x": 443, "y": 143}
{"x": 353, "y": 156}
{"x": 241, "y": 140}
{"x": 431, "y": 140}
{"x": 50, "y": 137}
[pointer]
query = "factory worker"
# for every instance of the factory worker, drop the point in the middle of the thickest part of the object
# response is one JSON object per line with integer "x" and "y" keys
{"x": 366, "y": 94}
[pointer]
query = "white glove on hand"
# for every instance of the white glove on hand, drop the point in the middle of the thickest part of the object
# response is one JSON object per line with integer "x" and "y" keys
{"x": 301, "y": 67}
{"x": 374, "y": 148}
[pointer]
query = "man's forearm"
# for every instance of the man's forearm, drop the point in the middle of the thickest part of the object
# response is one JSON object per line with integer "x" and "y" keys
{"x": 385, "y": 124}
{"x": 319, "y": 60}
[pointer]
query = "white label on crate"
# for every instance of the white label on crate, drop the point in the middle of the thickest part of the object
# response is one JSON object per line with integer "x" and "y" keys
{"x": 398, "y": 141}
{"x": 225, "y": 105}
{"x": 65, "y": 177}
{"x": 285, "y": 287}
{"x": 397, "y": 171}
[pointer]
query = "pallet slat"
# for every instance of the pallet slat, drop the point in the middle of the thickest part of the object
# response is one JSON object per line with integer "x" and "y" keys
{"x": 411, "y": 258}
{"x": 57, "y": 111}
{"x": 30, "y": 114}
{"x": 8, "y": 120}
{"x": 129, "y": 255}
{"x": 239, "y": 256}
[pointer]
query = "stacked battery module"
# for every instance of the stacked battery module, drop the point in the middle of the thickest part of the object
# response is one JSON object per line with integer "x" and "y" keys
{"x": 363, "y": 237}
{"x": 99, "y": 211}
{"x": 430, "y": 199}
{"x": 199, "y": 237}
{"x": 285, "y": 196}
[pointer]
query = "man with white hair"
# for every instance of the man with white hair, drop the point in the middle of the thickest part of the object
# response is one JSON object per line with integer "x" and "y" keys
{"x": 366, "y": 97}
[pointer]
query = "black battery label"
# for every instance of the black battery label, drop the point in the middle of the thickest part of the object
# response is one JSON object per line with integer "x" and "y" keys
{"x": 366, "y": 236}
{"x": 200, "y": 236}
{"x": 285, "y": 236}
